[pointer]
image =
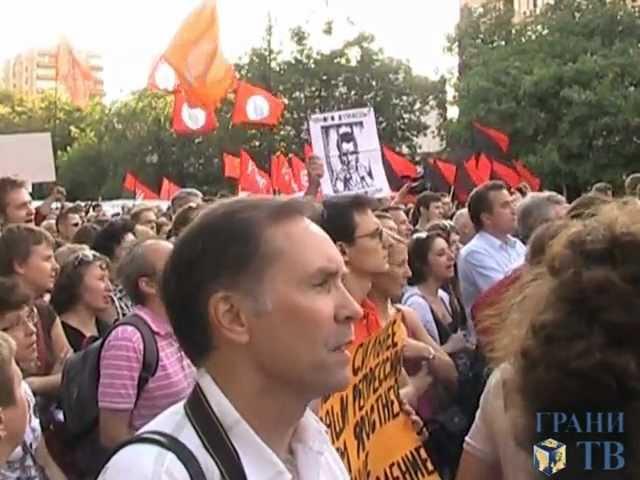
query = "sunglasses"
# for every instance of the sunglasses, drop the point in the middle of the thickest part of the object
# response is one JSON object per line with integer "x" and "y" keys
{"x": 86, "y": 257}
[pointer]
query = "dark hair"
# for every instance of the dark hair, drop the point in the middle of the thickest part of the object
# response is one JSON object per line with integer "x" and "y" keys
{"x": 338, "y": 216}
{"x": 480, "y": 201}
{"x": 110, "y": 237}
{"x": 8, "y": 185}
{"x": 65, "y": 213}
{"x": 86, "y": 234}
{"x": 224, "y": 248}
{"x": 184, "y": 217}
{"x": 424, "y": 200}
{"x": 419, "y": 247}
{"x": 183, "y": 196}
{"x": 444, "y": 228}
{"x": 136, "y": 264}
{"x": 16, "y": 243}
{"x": 13, "y": 296}
{"x": 66, "y": 291}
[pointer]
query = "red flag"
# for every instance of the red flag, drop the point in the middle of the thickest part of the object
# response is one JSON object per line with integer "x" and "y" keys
{"x": 168, "y": 189}
{"x": 447, "y": 170}
{"x": 252, "y": 179}
{"x": 232, "y": 166}
{"x": 308, "y": 151}
{"x": 403, "y": 167}
{"x": 499, "y": 138}
{"x": 196, "y": 57}
{"x": 132, "y": 184}
{"x": 527, "y": 176}
{"x": 282, "y": 177}
{"x": 256, "y": 106}
{"x": 74, "y": 75}
{"x": 479, "y": 169}
{"x": 191, "y": 120}
{"x": 300, "y": 174}
{"x": 506, "y": 173}
{"x": 162, "y": 77}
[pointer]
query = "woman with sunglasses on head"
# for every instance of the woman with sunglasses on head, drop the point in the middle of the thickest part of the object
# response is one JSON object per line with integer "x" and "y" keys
{"x": 81, "y": 293}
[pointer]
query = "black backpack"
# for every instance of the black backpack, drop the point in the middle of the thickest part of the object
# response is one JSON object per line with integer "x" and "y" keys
{"x": 81, "y": 377}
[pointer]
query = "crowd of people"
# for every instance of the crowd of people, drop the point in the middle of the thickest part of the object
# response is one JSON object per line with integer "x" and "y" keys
{"x": 214, "y": 327}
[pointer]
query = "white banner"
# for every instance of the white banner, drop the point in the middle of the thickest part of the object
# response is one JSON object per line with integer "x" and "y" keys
{"x": 348, "y": 143}
{"x": 28, "y": 156}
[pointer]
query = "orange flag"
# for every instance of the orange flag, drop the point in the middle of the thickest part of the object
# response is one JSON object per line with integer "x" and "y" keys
{"x": 133, "y": 184}
{"x": 190, "y": 120}
{"x": 162, "y": 77}
{"x": 74, "y": 75}
{"x": 256, "y": 106}
{"x": 231, "y": 166}
{"x": 282, "y": 176}
{"x": 252, "y": 179}
{"x": 195, "y": 55}
{"x": 300, "y": 174}
{"x": 168, "y": 189}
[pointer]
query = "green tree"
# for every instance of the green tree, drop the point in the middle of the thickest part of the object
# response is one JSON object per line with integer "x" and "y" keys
{"x": 564, "y": 84}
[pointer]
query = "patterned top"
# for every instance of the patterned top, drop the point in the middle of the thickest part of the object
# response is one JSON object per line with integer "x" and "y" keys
{"x": 121, "y": 302}
{"x": 121, "y": 364}
{"x": 22, "y": 464}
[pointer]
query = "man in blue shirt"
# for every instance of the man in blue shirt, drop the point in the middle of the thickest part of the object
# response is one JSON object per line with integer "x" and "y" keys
{"x": 493, "y": 253}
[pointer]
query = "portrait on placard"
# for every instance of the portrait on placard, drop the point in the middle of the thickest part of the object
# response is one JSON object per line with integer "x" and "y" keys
{"x": 347, "y": 142}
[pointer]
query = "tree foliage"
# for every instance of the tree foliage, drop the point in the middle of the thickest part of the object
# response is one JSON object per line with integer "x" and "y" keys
{"x": 565, "y": 84}
{"x": 97, "y": 146}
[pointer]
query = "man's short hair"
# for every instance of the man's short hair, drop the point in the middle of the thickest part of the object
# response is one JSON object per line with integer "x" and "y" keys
{"x": 136, "y": 263}
{"x": 65, "y": 212}
{"x": 535, "y": 210}
{"x": 7, "y": 386}
{"x": 183, "y": 196}
{"x": 226, "y": 248}
{"x": 338, "y": 216}
{"x": 16, "y": 243}
{"x": 480, "y": 201}
{"x": 110, "y": 237}
{"x": 13, "y": 296}
{"x": 137, "y": 212}
{"x": 602, "y": 188}
{"x": 8, "y": 185}
{"x": 424, "y": 200}
{"x": 631, "y": 184}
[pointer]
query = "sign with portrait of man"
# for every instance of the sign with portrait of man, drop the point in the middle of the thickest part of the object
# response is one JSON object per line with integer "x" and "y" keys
{"x": 348, "y": 143}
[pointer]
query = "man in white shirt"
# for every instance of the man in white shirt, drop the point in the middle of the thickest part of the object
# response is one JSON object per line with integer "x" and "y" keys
{"x": 493, "y": 252}
{"x": 255, "y": 296}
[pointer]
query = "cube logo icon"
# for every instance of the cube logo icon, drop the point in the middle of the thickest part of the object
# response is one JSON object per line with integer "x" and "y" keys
{"x": 549, "y": 456}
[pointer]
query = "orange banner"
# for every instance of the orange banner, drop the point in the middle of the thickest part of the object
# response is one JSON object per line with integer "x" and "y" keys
{"x": 367, "y": 426}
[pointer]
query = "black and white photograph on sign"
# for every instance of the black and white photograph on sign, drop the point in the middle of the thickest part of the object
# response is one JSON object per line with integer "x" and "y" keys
{"x": 348, "y": 143}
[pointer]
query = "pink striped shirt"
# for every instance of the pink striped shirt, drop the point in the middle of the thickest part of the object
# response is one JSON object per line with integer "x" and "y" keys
{"x": 121, "y": 363}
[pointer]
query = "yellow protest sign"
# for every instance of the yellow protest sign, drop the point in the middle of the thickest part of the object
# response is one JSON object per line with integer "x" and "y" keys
{"x": 367, "y": 426}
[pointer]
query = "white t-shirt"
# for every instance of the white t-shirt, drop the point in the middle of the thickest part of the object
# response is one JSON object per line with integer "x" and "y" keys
{"x": 491, "y": 436}
{"x": 314, "y": 455}
{"x": 22, "y": 464}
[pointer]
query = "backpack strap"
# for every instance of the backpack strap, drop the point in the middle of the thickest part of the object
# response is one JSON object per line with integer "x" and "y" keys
{"x": 151, "y": 356}
{"x": 172, "y": 444}
{"x": 213, "y": 436}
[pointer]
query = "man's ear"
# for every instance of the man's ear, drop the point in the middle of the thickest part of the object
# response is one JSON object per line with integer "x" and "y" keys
{"x": 228, "y": 318}
{"x": 344, "y": 251}
{"x": 18, "y": 268}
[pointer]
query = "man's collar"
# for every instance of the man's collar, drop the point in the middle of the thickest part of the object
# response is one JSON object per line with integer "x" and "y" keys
{"x": 158, "y": 324}
{"x": 496, "y": 242}
{"x": 262, "y": 462}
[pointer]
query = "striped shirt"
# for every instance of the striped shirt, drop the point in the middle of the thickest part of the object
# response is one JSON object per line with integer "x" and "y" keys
{"x": 121, "y": 364}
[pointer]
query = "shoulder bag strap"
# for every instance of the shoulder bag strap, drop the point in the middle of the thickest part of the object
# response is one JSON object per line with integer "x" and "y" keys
{"x": 168, "y": 442}
{"x": 213, "y": 436}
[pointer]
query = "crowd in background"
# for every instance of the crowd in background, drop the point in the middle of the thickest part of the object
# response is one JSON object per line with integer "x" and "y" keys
{"x": 512, "y": 303}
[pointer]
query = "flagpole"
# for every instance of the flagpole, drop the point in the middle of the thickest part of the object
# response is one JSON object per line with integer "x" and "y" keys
{"x": 269, "y": 80}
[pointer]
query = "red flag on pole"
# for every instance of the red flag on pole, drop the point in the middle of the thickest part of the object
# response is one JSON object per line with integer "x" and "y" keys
{"x": 527, "y": 176}
{"x": 132, "y": 184}
{"x": 281, "y": 175}
{"x": 402, "y": 167}
{"x": 168, "y": 189}
{"x": 256, "y": 106}
{"x": 191, "y": 120}
{"x": 252, "y": 179}
{"x": 300, "y": 174}
{"x": 232, "y": 166}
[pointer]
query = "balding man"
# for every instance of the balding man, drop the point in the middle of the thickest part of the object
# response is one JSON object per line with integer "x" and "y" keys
{"x": 464, "y": 225}
{"x": 124, "y": 409}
